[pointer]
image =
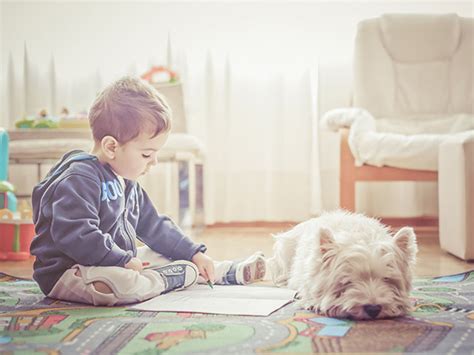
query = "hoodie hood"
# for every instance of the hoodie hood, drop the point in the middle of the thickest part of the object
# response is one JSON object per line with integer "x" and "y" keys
{"x": 54, "y": 174}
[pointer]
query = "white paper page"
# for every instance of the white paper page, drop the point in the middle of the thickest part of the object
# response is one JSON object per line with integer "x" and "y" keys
{"x": 232, "y": 300}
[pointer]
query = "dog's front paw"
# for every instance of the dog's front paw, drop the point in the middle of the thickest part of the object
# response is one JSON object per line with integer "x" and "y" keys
{"x": 314, "y": 308}
{"x": 309, "y": 306}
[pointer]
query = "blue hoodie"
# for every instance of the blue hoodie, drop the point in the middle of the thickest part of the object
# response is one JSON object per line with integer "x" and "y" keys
{"x": 82, "y": 215}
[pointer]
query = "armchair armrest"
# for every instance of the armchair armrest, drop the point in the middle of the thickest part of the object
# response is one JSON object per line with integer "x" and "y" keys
{"x": 456, "y": 195}
{"x": 341, "y": 117}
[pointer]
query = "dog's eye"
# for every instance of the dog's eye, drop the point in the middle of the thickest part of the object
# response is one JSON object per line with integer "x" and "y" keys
{"x": 390, "y": 281}
{"x": 343, "y": 285}
{"x": 342, "y": 288}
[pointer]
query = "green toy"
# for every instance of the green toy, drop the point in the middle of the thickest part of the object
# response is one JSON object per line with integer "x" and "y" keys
{"x": 46, "y": 124}
{"x": 26, "y": 123}
{"x": 7, "y": 196}
{"x": 41, "y": 120}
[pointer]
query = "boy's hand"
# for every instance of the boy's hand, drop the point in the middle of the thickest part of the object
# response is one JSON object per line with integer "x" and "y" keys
{"x": 134, "y": 264}
{"x": 205, "y": 265}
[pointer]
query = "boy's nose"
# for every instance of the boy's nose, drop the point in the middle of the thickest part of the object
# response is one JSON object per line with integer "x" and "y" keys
{"x": 154, "y": 161}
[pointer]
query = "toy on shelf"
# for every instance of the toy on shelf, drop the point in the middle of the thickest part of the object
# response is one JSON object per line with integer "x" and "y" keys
{"x": 41, "y": 120}
{"x": 77, "y": 120}
{"x": 160, "y": 75}
{"x": 16, "y": 234}
{"x": 7, "y": 196}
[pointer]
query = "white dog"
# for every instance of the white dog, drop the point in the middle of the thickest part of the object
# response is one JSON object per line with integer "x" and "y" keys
{"x": 346, "y": 266}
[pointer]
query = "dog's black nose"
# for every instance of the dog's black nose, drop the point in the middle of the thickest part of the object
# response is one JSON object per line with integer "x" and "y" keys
{"x": 372, "y": 310}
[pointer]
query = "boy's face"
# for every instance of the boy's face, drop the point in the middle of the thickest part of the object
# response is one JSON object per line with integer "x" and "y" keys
{"x": 137, "y": 156}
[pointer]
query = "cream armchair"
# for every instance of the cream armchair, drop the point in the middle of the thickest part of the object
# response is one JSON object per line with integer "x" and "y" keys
{"x": 413, "y": 97}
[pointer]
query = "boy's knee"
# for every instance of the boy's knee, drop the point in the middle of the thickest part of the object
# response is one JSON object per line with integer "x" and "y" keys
{"x": 98, "y": 285}
{"x": 102, "y": 287}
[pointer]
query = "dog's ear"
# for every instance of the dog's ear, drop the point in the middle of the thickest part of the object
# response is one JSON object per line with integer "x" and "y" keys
{"x": 405, "y": 240}
{"x": 326, "y": 239}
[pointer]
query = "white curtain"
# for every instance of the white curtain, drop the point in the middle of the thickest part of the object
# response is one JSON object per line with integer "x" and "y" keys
{"x": 258, "y": 123}
{"x": 253, "y": 89}
{"x": 261, "y": 136}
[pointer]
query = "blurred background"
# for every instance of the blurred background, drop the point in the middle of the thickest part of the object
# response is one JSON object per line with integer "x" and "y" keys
{"x": 256, "y": 78}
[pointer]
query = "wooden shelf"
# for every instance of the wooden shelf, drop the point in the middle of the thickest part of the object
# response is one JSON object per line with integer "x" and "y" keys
{"x": 49, "y": 133}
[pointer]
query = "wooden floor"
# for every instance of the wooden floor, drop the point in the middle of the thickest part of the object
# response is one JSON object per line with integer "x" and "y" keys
{"x": 238, "y": 242}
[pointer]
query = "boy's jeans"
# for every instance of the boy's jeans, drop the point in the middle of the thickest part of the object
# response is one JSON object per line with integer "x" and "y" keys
{"x": 128, "y": 286}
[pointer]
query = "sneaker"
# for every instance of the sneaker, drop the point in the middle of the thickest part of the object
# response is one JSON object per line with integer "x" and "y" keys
{"x": 247, "y": 271}
{"x": 178, "y": 275}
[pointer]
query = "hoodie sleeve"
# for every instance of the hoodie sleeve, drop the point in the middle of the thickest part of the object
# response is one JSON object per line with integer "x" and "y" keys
{"x": 161, "y": 234}
{"x": 75, "y": 226}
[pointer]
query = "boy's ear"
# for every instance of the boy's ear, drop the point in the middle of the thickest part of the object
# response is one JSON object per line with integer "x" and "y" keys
{"x": 109, "y": 146}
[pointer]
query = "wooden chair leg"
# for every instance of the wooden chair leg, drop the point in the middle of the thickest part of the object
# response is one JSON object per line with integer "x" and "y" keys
{"x": 347, "y": 194}
{"x": 199, "y": 219}
{"x": 347, "y": 175}
{"x": 192, "y": 190}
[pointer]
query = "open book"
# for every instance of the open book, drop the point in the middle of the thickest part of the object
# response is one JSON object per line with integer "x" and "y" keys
{"x": 229, "y": 299}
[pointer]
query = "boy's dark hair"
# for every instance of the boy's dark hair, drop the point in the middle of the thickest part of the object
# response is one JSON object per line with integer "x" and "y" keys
{"x": 126, "y": 108}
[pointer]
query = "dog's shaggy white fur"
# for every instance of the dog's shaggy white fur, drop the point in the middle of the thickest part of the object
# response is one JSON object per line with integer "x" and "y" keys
{"x": 346, "y": 265}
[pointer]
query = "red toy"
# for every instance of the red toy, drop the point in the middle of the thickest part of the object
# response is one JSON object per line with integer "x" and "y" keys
{"x": 15, "y": 235}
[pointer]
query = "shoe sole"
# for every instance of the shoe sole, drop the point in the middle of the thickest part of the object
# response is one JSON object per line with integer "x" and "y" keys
{"x": 254, "y": 271}
{"x": 196, "y": 273}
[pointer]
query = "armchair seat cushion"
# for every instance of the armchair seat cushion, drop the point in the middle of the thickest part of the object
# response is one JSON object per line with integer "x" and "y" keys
{"x": 181, "y": 144}
{"x": 45, "y": 149}
{"x": 33, "y": 150}
{"x": 403, "y": 143}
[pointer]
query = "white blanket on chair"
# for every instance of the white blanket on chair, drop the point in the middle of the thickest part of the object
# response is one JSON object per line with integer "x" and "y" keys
{"x": 411, "y": 142}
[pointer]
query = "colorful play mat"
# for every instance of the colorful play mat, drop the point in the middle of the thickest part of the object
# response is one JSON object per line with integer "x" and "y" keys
{"x": 442, "y": 322}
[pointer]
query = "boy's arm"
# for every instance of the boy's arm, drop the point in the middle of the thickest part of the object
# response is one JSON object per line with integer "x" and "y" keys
{"x": 75, "y": 224}
{"x": 161, "y": 234}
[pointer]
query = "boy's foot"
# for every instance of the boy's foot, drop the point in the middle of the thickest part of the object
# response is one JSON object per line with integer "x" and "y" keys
{"x": 178, "y": 275}
{"x": 247, "y": 271}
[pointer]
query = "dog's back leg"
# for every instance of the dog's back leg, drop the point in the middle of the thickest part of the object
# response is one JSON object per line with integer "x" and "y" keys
{"x": 283, "y": 254}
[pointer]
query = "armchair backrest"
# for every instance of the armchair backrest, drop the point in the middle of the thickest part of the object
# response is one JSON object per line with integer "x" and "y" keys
{"x": 407, "y": 64}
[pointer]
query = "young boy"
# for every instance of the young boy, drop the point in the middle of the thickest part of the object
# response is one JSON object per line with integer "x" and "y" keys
{"x": 89, "y": 210}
